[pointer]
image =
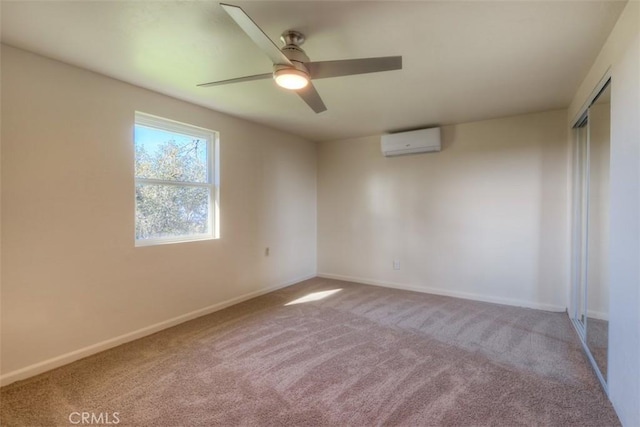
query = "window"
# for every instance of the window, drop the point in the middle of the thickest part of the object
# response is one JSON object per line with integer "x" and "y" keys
{"x": 177, "y": 184}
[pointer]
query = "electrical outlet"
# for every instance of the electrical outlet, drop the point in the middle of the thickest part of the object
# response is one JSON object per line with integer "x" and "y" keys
{"x": 396, "y": 264}
{"x": 266, "y": 251}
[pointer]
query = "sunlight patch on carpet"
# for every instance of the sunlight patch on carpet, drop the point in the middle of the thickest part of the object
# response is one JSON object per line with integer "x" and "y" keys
{"x": 314, "y": 296}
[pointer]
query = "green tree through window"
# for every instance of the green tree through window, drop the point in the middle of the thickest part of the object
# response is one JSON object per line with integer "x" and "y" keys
{"x": 175, "y": 191}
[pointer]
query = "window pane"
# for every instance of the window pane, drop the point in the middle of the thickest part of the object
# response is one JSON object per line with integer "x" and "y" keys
{"x": 170, "y": 156}
{"x": 171, "y": 211}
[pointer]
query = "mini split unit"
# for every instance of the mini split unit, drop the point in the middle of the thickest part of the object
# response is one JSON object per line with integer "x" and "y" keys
{"x": 417, "y": 141}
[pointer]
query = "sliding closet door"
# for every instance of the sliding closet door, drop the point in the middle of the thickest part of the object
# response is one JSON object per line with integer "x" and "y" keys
{"x": 598, "y": 230}
{"x": 590, "y": 260}
{"x": 580, "y": 222}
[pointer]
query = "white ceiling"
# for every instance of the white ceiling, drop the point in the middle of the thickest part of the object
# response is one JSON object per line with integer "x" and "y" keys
{"x": 463, "y": 61}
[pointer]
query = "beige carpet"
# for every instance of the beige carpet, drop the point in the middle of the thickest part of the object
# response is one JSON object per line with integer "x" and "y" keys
{"x": 362, "y": 356}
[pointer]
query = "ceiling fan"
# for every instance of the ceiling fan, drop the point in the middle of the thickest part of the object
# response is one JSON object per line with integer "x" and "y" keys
{"x": 292, "y": 68}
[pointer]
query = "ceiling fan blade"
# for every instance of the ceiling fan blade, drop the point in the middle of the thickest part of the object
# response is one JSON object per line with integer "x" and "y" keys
{"x": 347, "y": 67}
{"x": 256, "y": 34}
{"x": 310, "y": 95}
{"x": 237, "y": 80}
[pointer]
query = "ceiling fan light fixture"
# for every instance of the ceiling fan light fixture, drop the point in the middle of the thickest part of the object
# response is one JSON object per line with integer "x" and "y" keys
{"x": 291, "y": 78}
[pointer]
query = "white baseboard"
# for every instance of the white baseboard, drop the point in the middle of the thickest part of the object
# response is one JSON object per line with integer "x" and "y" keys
{"x": 598, "y": 315}
{"x": 444, "y": 292}
{"x": 64, "y": 359}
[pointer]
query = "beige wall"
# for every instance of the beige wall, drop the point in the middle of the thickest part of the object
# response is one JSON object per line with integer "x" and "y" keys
{"x": 620, "y": 58}
{"x": 71, "y": 275}
{"x": 485, "y": 218}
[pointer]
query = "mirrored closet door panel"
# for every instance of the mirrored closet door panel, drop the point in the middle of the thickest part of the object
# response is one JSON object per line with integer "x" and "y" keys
{"x": 590, "y": 252}
{"x": 580, "y": 189}
{"x": 598, "y": 230}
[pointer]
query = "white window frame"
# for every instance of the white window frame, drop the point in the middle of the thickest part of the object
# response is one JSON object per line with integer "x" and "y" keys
{"x": 213, "y": 183}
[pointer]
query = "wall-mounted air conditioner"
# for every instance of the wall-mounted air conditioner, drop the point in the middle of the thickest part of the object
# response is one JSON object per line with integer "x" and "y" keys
{"x": 417, "y": 141}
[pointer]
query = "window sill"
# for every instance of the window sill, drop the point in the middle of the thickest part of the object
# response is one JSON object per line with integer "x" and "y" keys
{"x": 168, "y": 241}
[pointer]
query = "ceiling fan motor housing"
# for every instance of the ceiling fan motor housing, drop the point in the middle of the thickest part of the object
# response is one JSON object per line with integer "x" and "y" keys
{"x": 292, "y": 50}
